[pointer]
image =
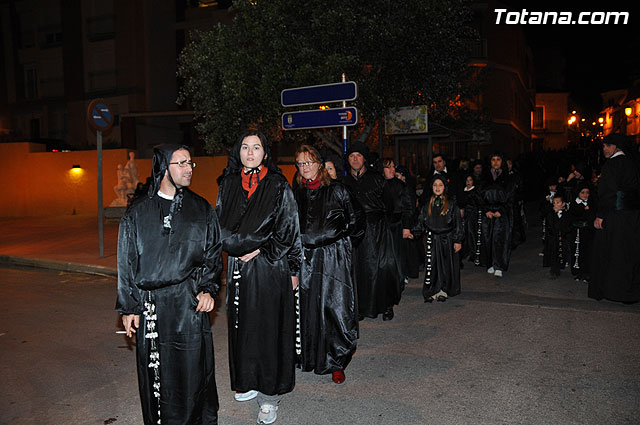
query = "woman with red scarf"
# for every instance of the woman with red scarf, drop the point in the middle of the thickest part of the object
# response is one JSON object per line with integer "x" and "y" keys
{"x": 330, "y": 220}
{"x": 260, "y": 232}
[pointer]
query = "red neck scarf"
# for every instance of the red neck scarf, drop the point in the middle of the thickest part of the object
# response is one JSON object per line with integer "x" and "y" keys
{"x": 251, "y": 179}
{"x": 311, "y": 184}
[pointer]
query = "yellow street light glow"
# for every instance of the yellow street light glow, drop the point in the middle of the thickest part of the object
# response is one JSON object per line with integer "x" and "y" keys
{"x": 600, "y": 120}
{"x": 628, "y": 111}
{"x": 75, "y": 173}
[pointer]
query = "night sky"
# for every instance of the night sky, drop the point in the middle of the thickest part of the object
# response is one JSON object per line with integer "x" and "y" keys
{"x": 584, "y": 60}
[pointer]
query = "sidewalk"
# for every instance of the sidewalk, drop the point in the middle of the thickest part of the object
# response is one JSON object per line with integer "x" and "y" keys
{"x": 67, "y": 243}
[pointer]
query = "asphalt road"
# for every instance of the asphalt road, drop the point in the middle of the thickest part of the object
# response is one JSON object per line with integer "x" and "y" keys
{"x": 518, "y": 350}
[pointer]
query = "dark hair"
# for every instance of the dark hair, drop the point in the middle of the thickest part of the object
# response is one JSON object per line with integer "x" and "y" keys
{"x": 559, "y": 196}
{"x": 386, "y": 162}
{"x": 234, "y": 163}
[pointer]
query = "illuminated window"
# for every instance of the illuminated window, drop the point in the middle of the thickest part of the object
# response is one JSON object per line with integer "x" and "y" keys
{"x": 538, "y": 117}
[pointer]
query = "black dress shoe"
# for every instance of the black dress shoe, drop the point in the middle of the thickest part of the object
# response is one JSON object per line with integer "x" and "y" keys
{"x": 388, "y": 315}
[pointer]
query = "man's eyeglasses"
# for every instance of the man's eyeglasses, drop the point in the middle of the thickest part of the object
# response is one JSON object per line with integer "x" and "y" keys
{"x": 305, "y": 164}
{"x": 185, "y": 163}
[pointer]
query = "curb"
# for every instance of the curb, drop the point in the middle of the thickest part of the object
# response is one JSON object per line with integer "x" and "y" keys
{"x": 58, "y": 265}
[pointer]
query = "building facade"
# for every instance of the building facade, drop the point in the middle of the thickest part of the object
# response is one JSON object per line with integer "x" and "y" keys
{"x": 549, "y": 125}
{"x": 58, "y": 55}
{"x": 508, "y": 97}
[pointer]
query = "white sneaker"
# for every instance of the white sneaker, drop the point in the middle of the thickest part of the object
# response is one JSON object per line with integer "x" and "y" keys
{"x": 491, "y": 270}
{"x": 267, "y": 414}
{"x": 249, "y": 395}
{"x": 498, "y": 273}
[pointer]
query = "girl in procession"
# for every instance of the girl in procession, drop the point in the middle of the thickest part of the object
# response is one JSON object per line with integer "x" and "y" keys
{"x": 440, "y": 223}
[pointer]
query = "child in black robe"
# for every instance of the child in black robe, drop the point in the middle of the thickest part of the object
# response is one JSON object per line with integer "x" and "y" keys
{"x": 582, "y": 214}
{"x": 557, "y": 246}
{"x": 440, "y": 223}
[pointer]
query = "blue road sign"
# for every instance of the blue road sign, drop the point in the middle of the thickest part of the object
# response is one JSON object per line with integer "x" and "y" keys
{"x": 99, "y": 115}
{"x": 320, "y": 118}
{"x": 325, "y": 93}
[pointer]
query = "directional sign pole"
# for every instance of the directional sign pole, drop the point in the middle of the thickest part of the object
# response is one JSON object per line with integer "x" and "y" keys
{"x": 345, "y": 140}
{"x": 100, "y": 224}
{"x": 100, "y": 118}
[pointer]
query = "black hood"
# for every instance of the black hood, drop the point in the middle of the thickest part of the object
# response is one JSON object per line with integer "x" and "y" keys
{"x": 621, "y": 141}
{"x": 161, "y": 157}
{"x": 360, "y": 148}
{"x": 442, "y": 178}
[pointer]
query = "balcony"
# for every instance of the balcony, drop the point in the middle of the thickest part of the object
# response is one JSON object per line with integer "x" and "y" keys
{"x": 52, "y": 87}
{"x": 101, "y": 27}
{"x": 49, "y": 36}
{"x": 104, "y": 80}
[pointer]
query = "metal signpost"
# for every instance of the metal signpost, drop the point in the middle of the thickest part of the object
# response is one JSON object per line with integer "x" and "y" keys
{"x": 313, "y": 95}
{"x": 100, "y": 118}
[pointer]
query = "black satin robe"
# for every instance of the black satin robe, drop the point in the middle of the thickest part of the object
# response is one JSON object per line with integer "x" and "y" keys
{"x": 260, "y": 300}
{"x": 497, "y": 196}
{"x": 170, "y": 269}
{"x": 375, "y": 268}
{"x": 557, "y": 243}
{"x": 518, "y": 222}
{"x": 400, "y": 208}
{"x": 615, "y": 266}
{"x": 413, "y": 247}
{"x": 472, "y": 224}
{"x": 329, "y": 220}
{"x": 442, "y": 263}
{"x": 581, "y": 237}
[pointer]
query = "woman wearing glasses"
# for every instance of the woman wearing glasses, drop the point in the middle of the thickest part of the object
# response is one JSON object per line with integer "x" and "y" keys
{"x": 260, "y": 232}
{"x": 329, "y": 221}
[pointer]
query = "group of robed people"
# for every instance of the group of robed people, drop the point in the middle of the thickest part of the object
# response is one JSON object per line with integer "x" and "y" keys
{"x": 304, "y": 265}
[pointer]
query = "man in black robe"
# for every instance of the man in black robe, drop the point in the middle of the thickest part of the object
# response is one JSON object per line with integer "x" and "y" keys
{"x": 615, "y": 268}
{"x": 169, "y": 263}
{"x": 497, "y": 197}
{"x": 377, "y": 275}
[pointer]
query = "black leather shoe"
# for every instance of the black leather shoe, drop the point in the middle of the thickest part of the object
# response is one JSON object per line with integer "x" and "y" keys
{"x": 388, "y": 315}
